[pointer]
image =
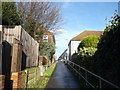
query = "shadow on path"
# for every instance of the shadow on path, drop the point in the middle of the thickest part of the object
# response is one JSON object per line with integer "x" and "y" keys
{"x": 62, "y": 78}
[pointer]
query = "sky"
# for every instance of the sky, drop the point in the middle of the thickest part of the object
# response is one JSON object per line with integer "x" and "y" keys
{"x": 60, "y": 0}
{"x": 81, "y": 16}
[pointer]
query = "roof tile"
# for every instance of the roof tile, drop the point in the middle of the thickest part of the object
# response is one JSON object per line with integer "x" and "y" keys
{"x": 87, "y": 33}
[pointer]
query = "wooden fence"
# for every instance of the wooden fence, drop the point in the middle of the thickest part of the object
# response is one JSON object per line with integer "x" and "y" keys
{"x": 30, "y": 46}
{"x": 18, "y": 51}
{"x": 26, "y": 78}
{"x": 19, "y": 79}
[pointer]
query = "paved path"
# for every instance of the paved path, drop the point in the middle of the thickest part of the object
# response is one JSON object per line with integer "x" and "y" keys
{"x": 62, "y": 78}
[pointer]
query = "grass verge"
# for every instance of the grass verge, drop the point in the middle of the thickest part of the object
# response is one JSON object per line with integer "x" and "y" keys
{"x": 42, "y": 82}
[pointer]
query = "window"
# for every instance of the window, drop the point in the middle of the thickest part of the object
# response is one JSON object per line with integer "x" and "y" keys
{"x": 45, "y": 38}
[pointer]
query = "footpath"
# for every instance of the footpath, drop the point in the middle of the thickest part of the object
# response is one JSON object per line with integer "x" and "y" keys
{"x": 62, "y": 78}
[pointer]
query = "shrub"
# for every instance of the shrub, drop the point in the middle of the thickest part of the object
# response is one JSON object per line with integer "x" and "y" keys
{"x": 10, "y": 16}
{"x": 89, "y": 41}
{"x": 87, "y": 49}
{"x": 107, "y": 57}
{"x": 47, "y": 49}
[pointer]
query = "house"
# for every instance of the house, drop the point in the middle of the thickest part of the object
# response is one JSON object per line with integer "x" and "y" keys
{"x": 48, "y": 37}
{"x": 75, "y": 41}
{"x": 64, "y": 56}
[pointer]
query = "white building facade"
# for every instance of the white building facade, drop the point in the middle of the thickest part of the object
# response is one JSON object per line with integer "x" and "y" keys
{"x": 73, "y": 45}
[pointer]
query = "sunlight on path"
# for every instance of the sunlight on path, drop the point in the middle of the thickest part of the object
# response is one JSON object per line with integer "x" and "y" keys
{"x": 62, "y": 78}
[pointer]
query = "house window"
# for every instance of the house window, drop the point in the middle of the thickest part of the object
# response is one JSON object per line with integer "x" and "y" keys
{"x": 45, "y": 38}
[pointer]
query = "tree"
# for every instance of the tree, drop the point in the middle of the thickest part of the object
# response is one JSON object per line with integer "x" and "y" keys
{"x": 10, "y": 16}
{"x": 89, "y": 51}
{"x": 39, "y": 16}
{"x": 0, "y": 12}
{"x": 107, "y": 57}
{"x": 89, "y": 41}
{"x": 47, "y": 49}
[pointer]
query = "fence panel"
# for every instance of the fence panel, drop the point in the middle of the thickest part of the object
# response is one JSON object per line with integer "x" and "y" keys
{"x": 30, "y": 46}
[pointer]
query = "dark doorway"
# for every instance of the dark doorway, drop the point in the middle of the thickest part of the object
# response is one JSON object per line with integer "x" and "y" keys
{"x": 23, "y": 64}
{"x": 6, "y": 64}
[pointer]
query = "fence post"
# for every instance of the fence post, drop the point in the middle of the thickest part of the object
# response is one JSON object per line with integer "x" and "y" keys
{"x": 35, "y": 75}
{"x": 100, "y": 85}
{"x": 73, "y": 65}
{"x": 79, "y": 72}
{"x": 26, "y": 72}
{"x": 16, "y": 57}
{"x": 86, "y": 76}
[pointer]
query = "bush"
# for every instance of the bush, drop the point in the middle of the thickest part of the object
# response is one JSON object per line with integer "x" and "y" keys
{"x": 86, "y": 50}
{"x": 10, "y": 16}
{"x": 84, "y": 57}
{"x": 108, "y": 54}
{"x": 89, "y": 41}
{"x": 47, "y": 49}
{"x": 107, "y": 57}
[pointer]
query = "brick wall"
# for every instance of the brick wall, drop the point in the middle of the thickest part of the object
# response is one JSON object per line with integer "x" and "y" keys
{"x": 19, "y": 79}
{"x": 2, "y": 78}
{"x": 26, "y": 78}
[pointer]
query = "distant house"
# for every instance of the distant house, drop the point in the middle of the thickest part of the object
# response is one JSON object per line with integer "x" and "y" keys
{"x": 63, "y": 55}
{"x": 48, "y": 37}
{"x": 74, "y": 42}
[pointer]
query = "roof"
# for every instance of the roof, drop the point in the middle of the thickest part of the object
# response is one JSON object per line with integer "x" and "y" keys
{"x": 87, "y": 33}
{"x": 48, "y": 32}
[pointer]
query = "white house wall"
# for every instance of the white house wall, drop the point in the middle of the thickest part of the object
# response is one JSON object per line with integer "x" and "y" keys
{"x": 73, "y": 47}
{"x": 67, "y": 53}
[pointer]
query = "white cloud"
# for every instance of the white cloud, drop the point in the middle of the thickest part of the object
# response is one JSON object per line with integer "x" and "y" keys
{"x": 57, "y": 32}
